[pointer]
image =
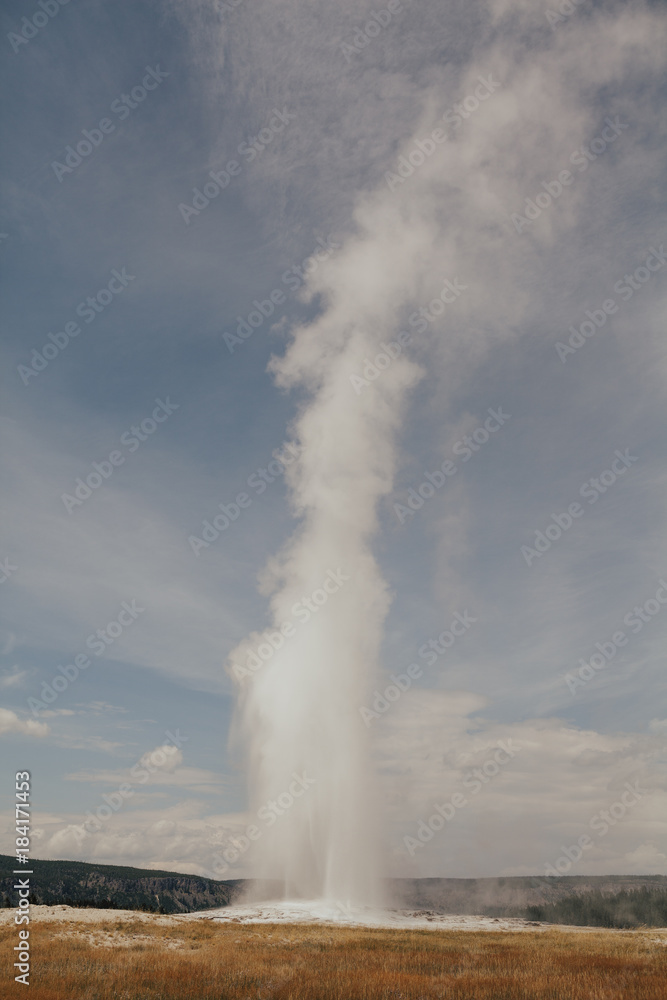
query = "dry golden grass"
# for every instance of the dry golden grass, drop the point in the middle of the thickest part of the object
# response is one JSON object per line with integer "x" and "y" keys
{"x": 127, "y": 959}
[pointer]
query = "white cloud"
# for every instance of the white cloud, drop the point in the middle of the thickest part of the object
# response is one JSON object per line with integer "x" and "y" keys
{"x": 182, "y": 837}
{"x": 11, "y": 723}
{"x": 647, "y": 859}
{"x": 163, "y": 767}
{"x": 13, "y": 678}
{"x": 430, "y": 742}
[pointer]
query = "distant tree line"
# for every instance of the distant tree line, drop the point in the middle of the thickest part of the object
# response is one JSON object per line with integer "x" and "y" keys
{"x": 97, "y": 903}
{"x": 625, "y": 909}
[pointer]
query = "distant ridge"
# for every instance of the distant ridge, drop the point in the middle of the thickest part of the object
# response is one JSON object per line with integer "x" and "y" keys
{"x": 78, "y": 883}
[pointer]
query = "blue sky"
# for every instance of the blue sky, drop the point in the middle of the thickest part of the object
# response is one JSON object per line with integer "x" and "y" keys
{"x": 337, "y": 127}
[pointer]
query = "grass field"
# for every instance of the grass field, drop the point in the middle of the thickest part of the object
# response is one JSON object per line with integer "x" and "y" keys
{"x": 152, "y": 959}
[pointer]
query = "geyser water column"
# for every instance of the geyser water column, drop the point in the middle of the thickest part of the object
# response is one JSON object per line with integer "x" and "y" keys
{"x": 299, "y": 711}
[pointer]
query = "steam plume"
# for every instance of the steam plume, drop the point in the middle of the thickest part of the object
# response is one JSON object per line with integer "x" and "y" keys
{"x": 300, "y": 711}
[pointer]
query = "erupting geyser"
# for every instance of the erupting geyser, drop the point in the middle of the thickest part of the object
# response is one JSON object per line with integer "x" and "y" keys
{"x": 299, "y": 711}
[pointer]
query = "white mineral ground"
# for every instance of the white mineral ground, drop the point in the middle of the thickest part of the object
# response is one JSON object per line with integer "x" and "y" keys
{"x": 311, "y": 912}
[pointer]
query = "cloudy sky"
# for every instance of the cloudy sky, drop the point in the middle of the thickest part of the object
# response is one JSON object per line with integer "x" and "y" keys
{"x": 477, "y": 187}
